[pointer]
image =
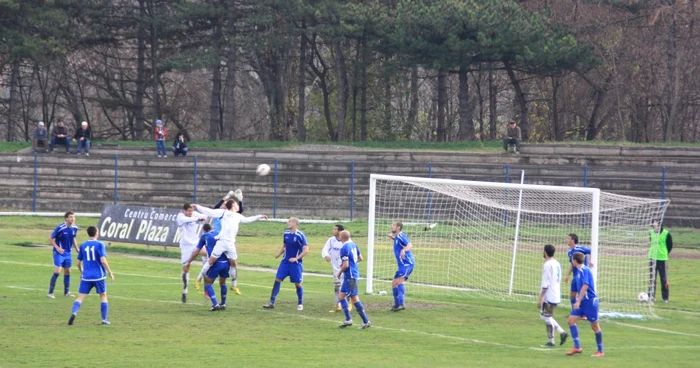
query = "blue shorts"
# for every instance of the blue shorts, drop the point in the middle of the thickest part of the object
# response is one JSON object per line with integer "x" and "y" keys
{"x": 588, "y": 308}
{"x": 85, "y": 286}
{"x": 404, "y": 271}
{"x": 293, "y": 270}
{"x": 219, "y": 269}
{"x": 573, "y": 284}
{"x": 62, "y": 260}
{"x": 349, "y": 287}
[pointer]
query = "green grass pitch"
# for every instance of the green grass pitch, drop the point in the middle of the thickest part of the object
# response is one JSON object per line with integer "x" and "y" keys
{"x": 150, "y": 327}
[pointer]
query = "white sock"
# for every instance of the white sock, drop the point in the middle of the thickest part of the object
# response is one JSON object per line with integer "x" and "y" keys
{"x": 233, "y": 272}
{"x": 185, "y": 280}
{"x": 200, "y": 276}
{"x": 205, "y": 268}
{"x": 556, "y": 325}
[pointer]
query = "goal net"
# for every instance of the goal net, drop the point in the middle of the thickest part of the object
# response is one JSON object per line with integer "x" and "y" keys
{"x": 486, "y": 239}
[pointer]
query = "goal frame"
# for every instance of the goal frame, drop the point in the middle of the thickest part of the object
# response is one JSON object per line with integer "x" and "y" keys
{"x": 594, "y": 224}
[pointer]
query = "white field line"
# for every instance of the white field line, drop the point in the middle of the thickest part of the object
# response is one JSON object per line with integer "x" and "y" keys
{"x": 655, "y": 329}
{"x": 327, "y": 320}
{"x": 402, "y": 330}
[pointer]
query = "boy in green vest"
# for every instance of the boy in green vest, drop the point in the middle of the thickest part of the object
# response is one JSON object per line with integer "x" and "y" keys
{"x": 661, "y": 245}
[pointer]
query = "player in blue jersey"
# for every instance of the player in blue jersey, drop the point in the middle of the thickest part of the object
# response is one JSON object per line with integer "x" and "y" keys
{"x": 62, "y": 240}
{"x": 220, "y": 268}
{"x": 586, "y": 305}
{"x": 349, "y": 272}
{"x": 574, "y": 247}
{"x": 92, "y": 263}
{"x": 404, "y": 258}
{"x": 294, "y": 248}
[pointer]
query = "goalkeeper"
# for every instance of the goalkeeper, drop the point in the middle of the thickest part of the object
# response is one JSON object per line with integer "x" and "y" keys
{"x": 661, "y": 245}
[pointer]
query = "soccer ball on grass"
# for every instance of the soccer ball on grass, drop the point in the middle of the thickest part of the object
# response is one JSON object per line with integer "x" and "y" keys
{"x": 643, "y": 297}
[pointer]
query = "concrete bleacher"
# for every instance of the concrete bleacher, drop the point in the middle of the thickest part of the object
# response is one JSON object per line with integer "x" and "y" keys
{"x": 316, "y": 180}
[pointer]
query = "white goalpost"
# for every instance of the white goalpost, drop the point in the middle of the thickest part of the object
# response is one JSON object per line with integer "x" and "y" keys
{"x": 486, "y": 239}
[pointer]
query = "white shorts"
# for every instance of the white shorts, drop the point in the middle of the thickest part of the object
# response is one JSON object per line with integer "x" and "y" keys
{"x": 224, "y": 247}
{"x": 186, "y": 252}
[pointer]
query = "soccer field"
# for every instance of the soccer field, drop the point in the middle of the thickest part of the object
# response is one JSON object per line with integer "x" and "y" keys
{"x": 150, "y": 327}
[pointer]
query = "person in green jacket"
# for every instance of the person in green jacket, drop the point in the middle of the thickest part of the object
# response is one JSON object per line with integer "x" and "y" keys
{"x": 661, "y": 245}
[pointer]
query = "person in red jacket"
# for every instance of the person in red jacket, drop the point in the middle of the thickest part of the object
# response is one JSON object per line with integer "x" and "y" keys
{"x": 160, "y": 134}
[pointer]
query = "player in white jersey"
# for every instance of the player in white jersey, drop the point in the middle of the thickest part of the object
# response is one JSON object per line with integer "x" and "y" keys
{"x": 550, "y": 296}
{"x": 188, "y": 224}
{"x": 226, "y": 240}
{"x": 331, "y": 253}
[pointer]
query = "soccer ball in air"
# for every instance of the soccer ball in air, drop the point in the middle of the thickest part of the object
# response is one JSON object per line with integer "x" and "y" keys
{"x": 643, "y": 297}
{"x": 263, "y": 169}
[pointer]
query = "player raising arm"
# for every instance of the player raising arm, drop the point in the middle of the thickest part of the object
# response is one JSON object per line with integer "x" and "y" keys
{"x": 586, "y": 305}
{"x": 188, "y": 223}
{"x": 92, "y": 263}
{"x": 216, "y": 226}
{"x": 226, "y": 240}
{"x": 349, "y": 272}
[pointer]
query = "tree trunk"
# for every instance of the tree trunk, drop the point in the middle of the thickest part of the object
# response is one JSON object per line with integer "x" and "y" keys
{"x": 672, "y": 83}
{"x": 280, "y": 97}
{"x": 154, "y": 64}
{"x": 363, "y": 93}
{"x": 413, "y": 107}
{"x": 522, "y": 102}
{"x": 12, "y": 111}
{"x": 301, "y": 128}
{"x": 466, "y": 118}
{"x": 388, "y": 133}
{"x": 215, "y": 103}
{"x": 327, "y": 110}
{"x": 342, "y": 80}
{"x": 322, "y": 74}
{"x": 228, "y": 124}
{"x": 442, "y": 105}
{"x": 556, "y": 128}
{"x": 480, "y": 93}
{"x": 493, "y": 105}
{"x": 600, "y": 93}
{"x": 215, "y": 100}
{"x": 140, "y": 72}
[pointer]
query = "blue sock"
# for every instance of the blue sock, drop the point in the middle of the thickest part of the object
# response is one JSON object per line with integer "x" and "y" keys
{"x": 395, "y": 291}
{"x": 52, "y": 284}
{"x": 275, "y": 291}
{"x": 66, "y": 284}
{"x": 346, "y": 309}
{"x": 300, "y": 295}
{"x": 76, "y": 306}
{"x": 210, "y": 291}
{"x": 224, "y": 292}
{"x": 599, "y": 340}
{"x": 361, "y": 311}
{"x": 104, "y": 307}
{"x": 574, "y": 336}
{"x": 573, "y": 301}
{"x": 402, "y": 291}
